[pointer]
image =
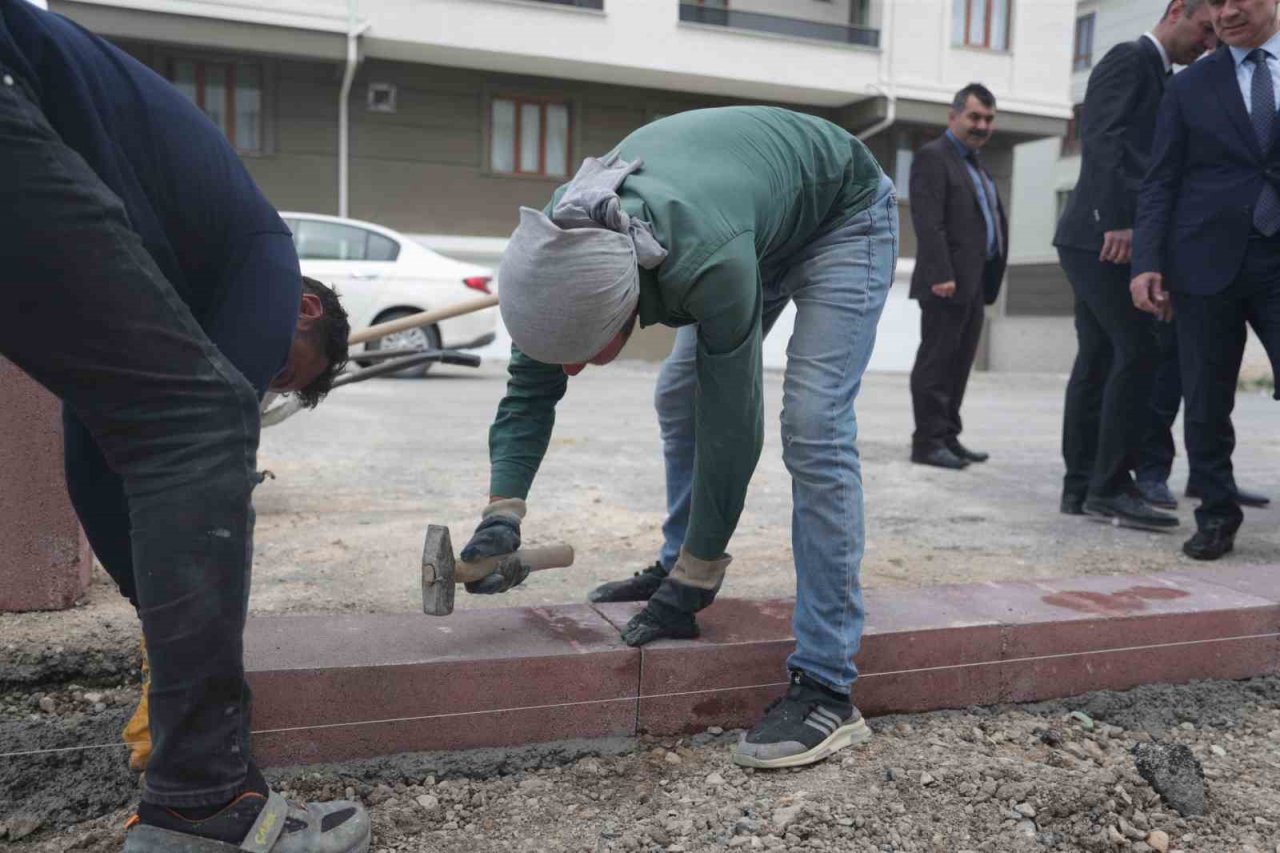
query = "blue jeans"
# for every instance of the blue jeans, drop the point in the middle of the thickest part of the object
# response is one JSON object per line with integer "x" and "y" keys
{"x": 839, "y": 283}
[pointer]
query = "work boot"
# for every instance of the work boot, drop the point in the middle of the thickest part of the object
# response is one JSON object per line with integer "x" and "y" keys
{"x": 262, "y": 822}
{"x": 669, "y": 614}
{"x": 810, "y": 722}
{"x": 638, "y": 587}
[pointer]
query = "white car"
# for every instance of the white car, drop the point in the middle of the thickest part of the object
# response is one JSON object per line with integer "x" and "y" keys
{"x": 382, "y": 275}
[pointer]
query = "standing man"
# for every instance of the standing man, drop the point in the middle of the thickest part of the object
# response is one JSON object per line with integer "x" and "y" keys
{"x": 90, "y": 314}
{"x": 1109, "y": 392}
{"x": 1208, "y": 232}
{"x": 712, "y": 221}
{"x": 961, "y": 247}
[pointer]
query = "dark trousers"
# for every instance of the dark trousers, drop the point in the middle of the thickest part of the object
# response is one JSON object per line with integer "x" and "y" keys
{"x": 1105, "y": 412}
{"x": 1157, "y": 449}
{"x": 949, "y": 333}
{"x": 85, "y": 312}
{"x": 1211, "y": 339}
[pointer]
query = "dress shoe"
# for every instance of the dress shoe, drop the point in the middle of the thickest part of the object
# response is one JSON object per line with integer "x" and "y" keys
{"x": 1243, "y": 497}
{"x": 1128, "y": 510}
{"x": 938, "y": 457}
{"x": 1156, "y": 493}
{"x": 1210, "y": 542}
{"x": 965, "y": 453}
{"x": 1072, "y": 504}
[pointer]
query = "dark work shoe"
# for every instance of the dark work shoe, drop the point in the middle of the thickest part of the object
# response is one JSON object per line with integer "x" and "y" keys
{"x": 965, "y": 453}
{"x": 660, "y": 622}
{"x": 1156, "y": 493}
{"x": 1210, "y": 542}
{"x": 938, "y": 457}
{"x": 1071, "y": 504}
{"x": 638, "y": 587}
{"x": 806, "y": 725}
{"x": 1244, "y": 497}
{"x": 1126, "y": 510}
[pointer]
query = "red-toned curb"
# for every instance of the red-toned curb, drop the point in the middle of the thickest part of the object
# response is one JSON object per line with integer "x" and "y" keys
{"x": 348, "y": 686}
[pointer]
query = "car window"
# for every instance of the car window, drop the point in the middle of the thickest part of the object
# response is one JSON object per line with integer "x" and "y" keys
{"x": 381, "y": 248}
{"x": 329, "y": 241}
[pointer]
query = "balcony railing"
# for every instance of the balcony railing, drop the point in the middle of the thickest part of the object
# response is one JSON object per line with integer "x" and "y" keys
{"x": 581, "y": 4}
{"x": 779, "y": 25}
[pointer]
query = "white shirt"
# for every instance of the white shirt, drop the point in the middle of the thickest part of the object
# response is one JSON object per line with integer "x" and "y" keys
{"x": 1244, "y": 70}
{"x": 1164, "y": 56}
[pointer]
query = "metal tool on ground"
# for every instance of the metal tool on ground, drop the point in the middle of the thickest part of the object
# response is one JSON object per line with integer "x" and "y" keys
{"x": 441, "y": 572}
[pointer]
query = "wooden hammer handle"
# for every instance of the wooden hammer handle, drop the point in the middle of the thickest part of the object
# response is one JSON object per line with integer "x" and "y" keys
{"x": 424, "y": 318}
{"x": 537, "y": 559}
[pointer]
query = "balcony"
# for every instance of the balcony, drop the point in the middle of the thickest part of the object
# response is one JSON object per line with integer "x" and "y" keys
{"x": 779, "y": 25}
{"x": 578, "y": 4}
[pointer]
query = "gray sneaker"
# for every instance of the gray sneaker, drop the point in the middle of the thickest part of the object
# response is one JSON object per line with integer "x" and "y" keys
{"x": 805, "y": 726}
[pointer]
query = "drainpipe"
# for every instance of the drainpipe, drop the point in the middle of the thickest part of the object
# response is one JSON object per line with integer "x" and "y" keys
{"x": 885, "y": 85}
{"x": 344, "y": 107}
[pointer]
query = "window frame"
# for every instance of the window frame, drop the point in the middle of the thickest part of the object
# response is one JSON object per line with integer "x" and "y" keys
{"x": 1073, "y": 139}
{"x": 963, "y": 40}
{"x": 165, "y": 64}
{"x": 1083, "y": 61}
{"x": 542, "y": 101}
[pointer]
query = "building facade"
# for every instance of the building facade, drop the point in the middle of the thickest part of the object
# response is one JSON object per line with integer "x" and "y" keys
{"x": 441, "y": 117}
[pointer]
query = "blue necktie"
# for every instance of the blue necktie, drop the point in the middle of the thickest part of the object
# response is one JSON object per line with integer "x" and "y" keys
{"x": 1266, "y": 214}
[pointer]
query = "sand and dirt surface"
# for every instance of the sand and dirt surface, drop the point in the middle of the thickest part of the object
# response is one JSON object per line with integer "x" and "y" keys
{"x": 340, "y": 528}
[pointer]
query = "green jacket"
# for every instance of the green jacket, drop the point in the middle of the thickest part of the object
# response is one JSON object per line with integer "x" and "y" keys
{"x": 727, "y": 191}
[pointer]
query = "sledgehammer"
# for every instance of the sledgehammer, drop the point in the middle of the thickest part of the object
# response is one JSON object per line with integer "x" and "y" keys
{"x": 441, "y": 573}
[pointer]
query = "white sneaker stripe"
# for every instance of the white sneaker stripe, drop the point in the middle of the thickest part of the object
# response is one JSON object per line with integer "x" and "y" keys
{"x": 820, "y": 725}
{"x": 829, "y": 715}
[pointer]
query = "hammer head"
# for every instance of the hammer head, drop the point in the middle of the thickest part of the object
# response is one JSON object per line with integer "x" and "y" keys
{"x": 437, "y": 572}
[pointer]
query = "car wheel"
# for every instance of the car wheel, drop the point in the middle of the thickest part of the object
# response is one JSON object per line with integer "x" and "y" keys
{"x": 420, "y": 338}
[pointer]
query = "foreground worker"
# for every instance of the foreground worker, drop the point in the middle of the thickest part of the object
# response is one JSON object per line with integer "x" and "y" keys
{"x": 133, "y": 236}
{"x": 713, "y": 221}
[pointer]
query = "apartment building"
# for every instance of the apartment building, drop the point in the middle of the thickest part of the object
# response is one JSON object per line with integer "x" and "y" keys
{"x": 440, "y": 117}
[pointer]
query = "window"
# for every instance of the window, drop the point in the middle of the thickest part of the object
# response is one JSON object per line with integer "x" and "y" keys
{"x": 332, "y": 241}
{"x": 909, "y": 142}
{"x": 860, "y": 13}
{"x": 381, "y": 98}
{"x": 1082, "y": 56}
{"x": 529, "y": 136}
{"x": 981, "y": 23}
{"x": 1072, "y": 141}
{"x": 230, "y": 93}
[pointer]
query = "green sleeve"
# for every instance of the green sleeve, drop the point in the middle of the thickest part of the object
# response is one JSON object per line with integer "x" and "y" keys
{"x": 729, "y": 419}
{"x": 522, "y": 428}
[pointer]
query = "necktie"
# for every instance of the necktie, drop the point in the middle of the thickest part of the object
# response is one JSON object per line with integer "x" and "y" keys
{"x": 989, "y": 190}
{"x": 1262, "y": 114}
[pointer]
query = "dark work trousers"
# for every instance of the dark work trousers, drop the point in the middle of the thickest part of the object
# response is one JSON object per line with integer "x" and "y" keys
{"x": 89, "y": 316}
{"x": 1157, "y": 449}
{"x": 1211, "y": 340}
{"x": 1105, "y": 412}
{"x": 949, "y": 333}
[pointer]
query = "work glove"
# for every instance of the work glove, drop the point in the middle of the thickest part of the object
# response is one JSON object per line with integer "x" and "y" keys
{"x": 498, "y": 534}
{"x": 691, "y": 586}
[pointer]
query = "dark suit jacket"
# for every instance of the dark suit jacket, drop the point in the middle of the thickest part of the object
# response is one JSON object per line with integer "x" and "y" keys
{"x": 1119, "y": 122}
{"x": 951, "y": 235}
{"x": 1195, "y": 210}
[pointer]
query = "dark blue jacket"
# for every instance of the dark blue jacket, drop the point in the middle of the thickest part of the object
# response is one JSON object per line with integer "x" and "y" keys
{"x": 199, "y": 214}
{"x": 1195, "y": 210}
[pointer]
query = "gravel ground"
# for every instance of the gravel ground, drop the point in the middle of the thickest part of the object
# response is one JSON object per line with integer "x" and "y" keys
{"x": 1051, "y": 776}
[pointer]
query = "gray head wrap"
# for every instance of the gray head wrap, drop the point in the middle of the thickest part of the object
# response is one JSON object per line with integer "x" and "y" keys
{"x": 567, "y": 285}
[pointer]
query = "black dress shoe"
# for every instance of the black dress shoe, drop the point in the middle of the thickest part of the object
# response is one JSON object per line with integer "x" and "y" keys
{"x": 965, "y": 453}
{"x": 1210, "y": 542}
{"x": 939, "y": 457}
{"x": 1072, "y": 504}
{"x": 1242, "y": 496}
{"x": 1126, "y": 510}
{"x": 1156, "y": 493}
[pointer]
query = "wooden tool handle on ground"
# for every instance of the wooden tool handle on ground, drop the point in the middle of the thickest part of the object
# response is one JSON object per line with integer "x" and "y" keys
{"x": 537, "y": 559}
{"x": 424, "y": 318}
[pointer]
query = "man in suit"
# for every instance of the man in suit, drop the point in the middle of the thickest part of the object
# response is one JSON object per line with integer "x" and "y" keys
{"x": 1207, "y": 240}
{"x": 962, "y": 239}
{"x": 1110, "y": 387}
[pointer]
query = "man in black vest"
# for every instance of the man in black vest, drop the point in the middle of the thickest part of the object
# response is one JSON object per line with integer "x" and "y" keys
{"x": 1109, "y": 391}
